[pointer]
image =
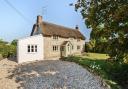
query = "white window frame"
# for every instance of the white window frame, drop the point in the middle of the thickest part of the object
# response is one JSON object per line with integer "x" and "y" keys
{"x": 32, "y": 48}
{"x": 55, "y": 48}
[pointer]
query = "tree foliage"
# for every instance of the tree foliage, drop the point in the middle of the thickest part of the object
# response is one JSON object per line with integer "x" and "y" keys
{"x": 96, "y": 46}
{"x": 7, "y": 49}
{"x": 14, "y": 42}
{"x": 108, "y": 20}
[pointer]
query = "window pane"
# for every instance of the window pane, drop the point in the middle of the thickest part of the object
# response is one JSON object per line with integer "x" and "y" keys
{"x": 54, "y": 37}
{"x": 53, "y": 48}
{"x": 28, "y": 48}
{"x": 56, "y": 48}
{"x": 35, "y": 48}
{"x": 32, "y": 48}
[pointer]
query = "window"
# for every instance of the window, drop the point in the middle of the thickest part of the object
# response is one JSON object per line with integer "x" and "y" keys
{"x": 71, "y": 38}
{"x": 32, "y": 48}
{"x": 78, "y": 40}
{"x": 55, "y": 47}
{"x": 78, "y": 47}
{"x": 55, "y": 37}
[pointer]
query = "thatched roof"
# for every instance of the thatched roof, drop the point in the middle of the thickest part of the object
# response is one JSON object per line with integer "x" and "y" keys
{"x": 49, "y": 29}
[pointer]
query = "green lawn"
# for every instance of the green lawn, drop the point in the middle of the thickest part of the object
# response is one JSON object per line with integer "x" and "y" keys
{"x": 115, "y": 74}
{"x": 95, "y": 56}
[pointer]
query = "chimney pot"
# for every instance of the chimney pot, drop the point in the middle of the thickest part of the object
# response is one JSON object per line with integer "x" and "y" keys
{"x": 77, "y": 27}
{"x": 39, "y": 19}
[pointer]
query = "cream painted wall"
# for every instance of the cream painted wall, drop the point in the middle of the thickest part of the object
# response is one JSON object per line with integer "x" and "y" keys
{"x": 22, "y": 49}
{"x": 49, "y": 42}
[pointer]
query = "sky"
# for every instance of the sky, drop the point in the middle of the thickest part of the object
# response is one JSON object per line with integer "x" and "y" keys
{"x": 17, "y": 19}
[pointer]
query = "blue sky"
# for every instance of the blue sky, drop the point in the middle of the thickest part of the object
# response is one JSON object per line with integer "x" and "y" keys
{"x": 14, "y": 26}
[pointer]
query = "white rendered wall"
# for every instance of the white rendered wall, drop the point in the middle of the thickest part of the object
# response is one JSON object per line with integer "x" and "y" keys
{"x": 22, "y": 49}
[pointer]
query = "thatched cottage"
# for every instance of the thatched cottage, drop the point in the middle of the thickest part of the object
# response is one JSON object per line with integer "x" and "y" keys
{"x": 49, "y": 41}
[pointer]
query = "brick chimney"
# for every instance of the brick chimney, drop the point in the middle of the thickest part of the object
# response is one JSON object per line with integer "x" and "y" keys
{"x": 39, "y": 19}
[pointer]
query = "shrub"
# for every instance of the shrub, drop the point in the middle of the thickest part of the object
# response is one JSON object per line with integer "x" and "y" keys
{"x": 7, "y": 50}
{"x": 115, "y": 74}
{"x": 1, "y": 57}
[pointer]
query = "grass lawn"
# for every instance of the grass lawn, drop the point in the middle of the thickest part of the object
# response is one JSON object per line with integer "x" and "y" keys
{"x": 95, "y": 56}
{"x": 115, "y": 74}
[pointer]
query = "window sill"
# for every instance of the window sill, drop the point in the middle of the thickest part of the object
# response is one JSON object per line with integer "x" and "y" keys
{"x": 32, "y": 53}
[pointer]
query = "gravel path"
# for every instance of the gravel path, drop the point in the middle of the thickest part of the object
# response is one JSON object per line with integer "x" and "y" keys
{"x": 55, "y": 75}
{"x": 5, "y": 82}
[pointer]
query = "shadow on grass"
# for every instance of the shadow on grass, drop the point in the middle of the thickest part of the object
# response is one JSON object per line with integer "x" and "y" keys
{"x": 111, "y": 71}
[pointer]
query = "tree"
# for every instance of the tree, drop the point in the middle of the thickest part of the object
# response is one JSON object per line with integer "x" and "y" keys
{"x": 14, "y": 42}
{"x": 6, "y": 49}
{"x": 108, "y": 19}
{"x": 3, "y": 42}
{"x": 13, "y": 46}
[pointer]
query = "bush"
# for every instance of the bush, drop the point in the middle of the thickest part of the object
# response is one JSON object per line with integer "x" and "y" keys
{"x": 115, "y": 74}
{"x": 7, "y": 50}
{"x": 1, "y": 57}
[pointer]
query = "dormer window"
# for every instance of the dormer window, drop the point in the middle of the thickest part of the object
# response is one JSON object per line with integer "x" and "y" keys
{"x": 55, "y": 37}
{"x": 78, "y": 40}
{"x": 71, "y": 38}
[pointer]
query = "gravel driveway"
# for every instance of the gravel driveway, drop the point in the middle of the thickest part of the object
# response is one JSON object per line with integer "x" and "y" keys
{"x": 55, "y": 75}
